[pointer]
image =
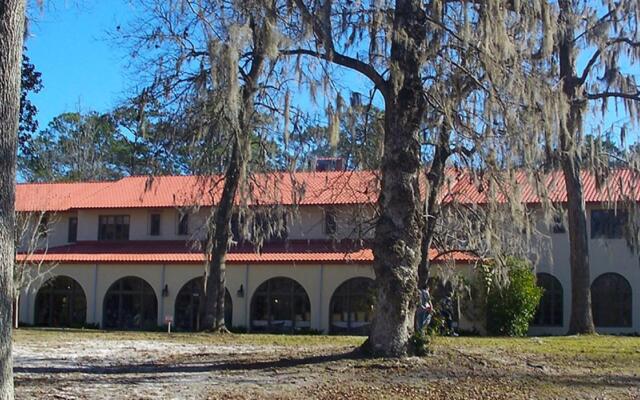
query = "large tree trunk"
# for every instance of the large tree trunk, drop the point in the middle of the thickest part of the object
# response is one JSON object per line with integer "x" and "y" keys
{"x": 11, "y": 37}
{"x": 213, "y": 312}
{"x": 435, "y": 180}
{"x": 16, "y": 312}
{"x": 398, "y": 234}
{"x": 581, "y": 316}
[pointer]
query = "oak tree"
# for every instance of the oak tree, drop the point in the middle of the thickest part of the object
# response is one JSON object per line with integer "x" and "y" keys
{"x": 12, "y": 17}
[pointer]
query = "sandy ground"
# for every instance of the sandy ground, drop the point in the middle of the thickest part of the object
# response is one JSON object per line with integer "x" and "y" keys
{"x": 62, "y": 366}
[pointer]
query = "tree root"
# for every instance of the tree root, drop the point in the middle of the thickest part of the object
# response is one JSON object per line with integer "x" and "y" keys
{"x": 221, "y": 330}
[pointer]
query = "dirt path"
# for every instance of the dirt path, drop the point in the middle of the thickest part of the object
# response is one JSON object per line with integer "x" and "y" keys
{"x": 157, "y": 369}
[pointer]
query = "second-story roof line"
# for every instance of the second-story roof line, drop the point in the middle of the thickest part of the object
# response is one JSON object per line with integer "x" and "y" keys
{"x": 306, "y": 188}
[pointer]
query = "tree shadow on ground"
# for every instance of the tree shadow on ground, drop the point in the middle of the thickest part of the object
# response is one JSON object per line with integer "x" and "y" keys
{"x": 428, "y": 369}
{"x": 224, "y": 365}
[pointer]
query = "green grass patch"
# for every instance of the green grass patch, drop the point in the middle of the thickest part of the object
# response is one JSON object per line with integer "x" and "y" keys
{"x": 31, "y": 335}
{"x": 610, "y": 352}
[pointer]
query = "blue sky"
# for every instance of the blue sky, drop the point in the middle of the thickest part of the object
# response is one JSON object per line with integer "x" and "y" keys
{"x": 82, "y": 69}
{"x": 80, "y": 66}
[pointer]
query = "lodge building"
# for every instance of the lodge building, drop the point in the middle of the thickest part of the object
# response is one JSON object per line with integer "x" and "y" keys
{"x": 127, "y": 256}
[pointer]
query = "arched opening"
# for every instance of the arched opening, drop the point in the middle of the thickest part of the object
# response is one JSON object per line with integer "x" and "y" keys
{"x": 611, "y": 301}
{"x": 351, "y": 307}
{"x": 280, "y": 305}
{"x": 187, "y": 310}
{"x": 61, "y": 302}
{"x": 130, "y": 303}
{"x": 550, "y": 309}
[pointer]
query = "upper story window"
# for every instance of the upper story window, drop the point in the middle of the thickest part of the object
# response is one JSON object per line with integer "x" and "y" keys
{"x": 259, "y": 225}
{"x": 235, "y": 228}
{"x": 43, "y": 225}
{"x": 607, "y": 223}
{"x": 72, "y": 234}
{"x": 154, "y": 224}
{"x": 273, "y": 227}
{"x": 330, "y": 222}
{"x": 558, "y": 225}
{"x": 183, "y": 224}
{"x": 113, "y": 227}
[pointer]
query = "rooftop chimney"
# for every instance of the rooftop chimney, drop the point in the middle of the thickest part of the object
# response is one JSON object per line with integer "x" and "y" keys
{"x": 330, "y": 164}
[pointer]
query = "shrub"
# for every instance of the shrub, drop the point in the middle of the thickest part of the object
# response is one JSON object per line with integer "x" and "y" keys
{"x": 237, "y": 329}
{"x": 512, "y": 305}
{"x": 420, "y": 343}
{"x": 437, "y": 326}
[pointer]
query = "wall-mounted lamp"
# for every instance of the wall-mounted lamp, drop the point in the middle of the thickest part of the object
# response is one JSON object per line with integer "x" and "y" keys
{"x": 241, "y": 291}
{"x": 165, "y": 291}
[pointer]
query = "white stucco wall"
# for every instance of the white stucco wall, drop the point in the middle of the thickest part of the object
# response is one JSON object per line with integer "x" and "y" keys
{"x": 307, "y": 223}
{"x": 610, "y": 255}
{"x": 319, "y": 281}
{"x": 58, "y": 230}
{"x": 139, "y": 223}
{"x": 606, "y": 255}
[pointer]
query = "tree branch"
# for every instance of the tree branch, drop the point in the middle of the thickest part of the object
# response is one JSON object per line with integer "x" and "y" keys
{"x": 587, "y": 68}
{"x": 331, "y": 55}
{"x": 596, "y": 54}
{"x": 620, "y": 95}
{"x": 345, "y": 61}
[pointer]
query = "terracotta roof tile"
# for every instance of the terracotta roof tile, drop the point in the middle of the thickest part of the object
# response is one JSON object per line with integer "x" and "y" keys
{"x": 305, "y": 188}
{"x": 54, "y": 196}
{"x": 184, "y": 252}
{"x": 619, "y": 185}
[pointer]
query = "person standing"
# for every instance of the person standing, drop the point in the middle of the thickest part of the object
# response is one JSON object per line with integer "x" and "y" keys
{"x": 425, "y": 308}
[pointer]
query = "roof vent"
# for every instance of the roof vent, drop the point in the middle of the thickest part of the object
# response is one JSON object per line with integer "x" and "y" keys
{"x": 323, "y": 164}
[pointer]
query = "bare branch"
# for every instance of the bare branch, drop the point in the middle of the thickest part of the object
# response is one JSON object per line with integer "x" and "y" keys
{"x": 597, "y": 53}
{"x": 605, "y": 95}
{"x": 331, "y": 55}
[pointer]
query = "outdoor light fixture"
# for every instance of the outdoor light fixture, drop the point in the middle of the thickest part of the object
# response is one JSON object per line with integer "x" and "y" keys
{"x": 165, "y": 291}
{"x": 241, "y": 291}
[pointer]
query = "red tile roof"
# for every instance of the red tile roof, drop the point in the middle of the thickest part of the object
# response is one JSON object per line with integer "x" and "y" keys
{"x": 619, "y": 185}
{"x": 303, "y": 188}
{"x": 54, "y": 196}
{"x": 306, "y": 188}
{"x": 295, "y": 252}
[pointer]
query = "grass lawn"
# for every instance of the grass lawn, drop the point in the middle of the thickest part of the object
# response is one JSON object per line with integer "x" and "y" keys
{"x": 105, "y": 365}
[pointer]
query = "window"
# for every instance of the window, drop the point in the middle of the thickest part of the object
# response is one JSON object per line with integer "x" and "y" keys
{"x": 130, "y": 303}
{"x": 154, "y": 224}
{"x": 187, "y": 310}
{"x": 43, "y": 225}
{"x": 271, "y": 227}
{"x": 183, "y": 224}
{"x": 351, "y": 307}
{"x": 236, "y": 233}
{"x": 558, "y": 224}
{"x": 330, "y": 223}
{"x": 259, "y": 226}
{"x": 280, "y": 305}
{"x": 72, "y": 234}
{"x": 611, "y": 301}
{"x": 549, "y": 311}
{"x": 113, "y": 227}
{"x": 607, "y": 223}
{"x": 61, "y": 302}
